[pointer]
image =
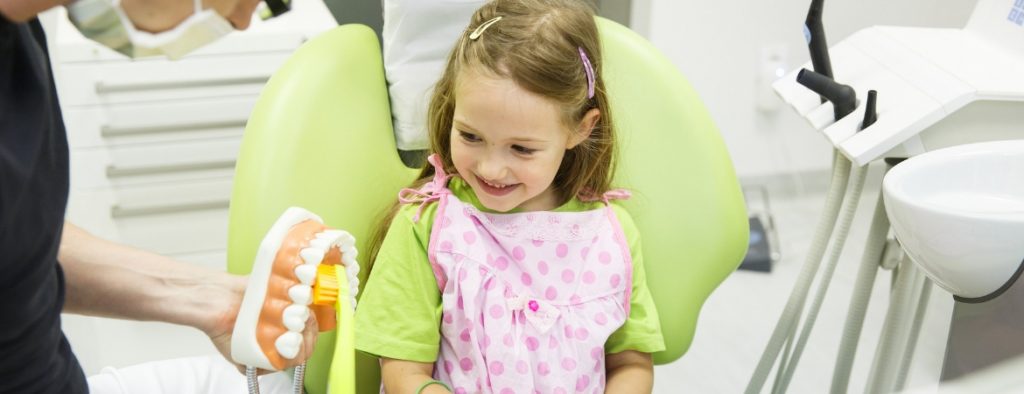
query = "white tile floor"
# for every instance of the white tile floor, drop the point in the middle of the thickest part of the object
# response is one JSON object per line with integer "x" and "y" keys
{"x": 732, "y": 330}
{"x": 737, "y": 320}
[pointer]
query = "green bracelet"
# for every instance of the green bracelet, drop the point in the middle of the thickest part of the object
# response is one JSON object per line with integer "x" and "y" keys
{"x": 430, "y": 382}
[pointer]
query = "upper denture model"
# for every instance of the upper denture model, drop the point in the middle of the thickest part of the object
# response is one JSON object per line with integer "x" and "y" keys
{"x": 292, "y": 276}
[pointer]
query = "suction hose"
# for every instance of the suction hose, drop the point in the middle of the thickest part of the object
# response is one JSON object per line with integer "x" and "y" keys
{"x": 253, "y": 383}
{"x": 915, "y": 332}
{"x": 785, "y": 327}
{"x": 785, "y": 330}
{"x": 849, "y": 208}
{"x": 861, "y": 297}
{"x": 896, "y": 331}
{"x": 866, "y": 274}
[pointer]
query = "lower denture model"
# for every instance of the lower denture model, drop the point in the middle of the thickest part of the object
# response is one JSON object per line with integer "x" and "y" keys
{"x": 295, "y": 273}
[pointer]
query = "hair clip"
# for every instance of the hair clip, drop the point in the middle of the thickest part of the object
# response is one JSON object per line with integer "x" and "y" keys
{"x": 483, "y": 26}
{"x": 590, "y": 72}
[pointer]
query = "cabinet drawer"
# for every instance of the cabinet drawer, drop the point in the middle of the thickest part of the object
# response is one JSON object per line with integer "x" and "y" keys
{"x": 170, "y": 219}
{"x": 158, "y": 80}
{"x": 116, "y": 166}
{"x": 124, "y": 124}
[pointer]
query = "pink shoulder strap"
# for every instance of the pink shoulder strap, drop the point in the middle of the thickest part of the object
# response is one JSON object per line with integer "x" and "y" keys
{"x": 614, "y": 194}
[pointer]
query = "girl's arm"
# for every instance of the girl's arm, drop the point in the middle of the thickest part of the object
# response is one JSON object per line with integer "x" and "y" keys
{"x": 629, "y": 371}
{"x": 401, "y": 376}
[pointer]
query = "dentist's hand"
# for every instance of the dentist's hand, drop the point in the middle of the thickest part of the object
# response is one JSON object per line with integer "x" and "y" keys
{"x": 104, "y": 278}
{"x": 221, "y": 322}
{"x": 160, "y": 15}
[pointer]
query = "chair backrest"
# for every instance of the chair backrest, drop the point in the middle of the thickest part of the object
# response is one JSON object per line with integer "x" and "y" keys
{"x": 320, "y": 137}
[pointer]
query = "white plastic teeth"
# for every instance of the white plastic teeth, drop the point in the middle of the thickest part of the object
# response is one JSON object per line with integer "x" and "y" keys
{"x": 320, "y": 243}
{"x": 288, "y": 344}
{"x": 295, "y": 315}
{"x": 312, "y": 256}
{"x": 306, "y": 273}
{"x": 301, "y": 294}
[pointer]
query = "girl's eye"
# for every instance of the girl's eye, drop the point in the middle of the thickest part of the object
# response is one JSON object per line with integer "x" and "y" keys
{"x": 522, "y": 149}
{"x": 469, "y": 137}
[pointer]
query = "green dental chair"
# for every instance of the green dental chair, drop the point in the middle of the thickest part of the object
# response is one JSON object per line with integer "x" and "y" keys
{"x": 320, "y": 137}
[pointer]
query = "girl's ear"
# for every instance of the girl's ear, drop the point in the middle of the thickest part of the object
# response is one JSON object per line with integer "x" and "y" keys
{"x": 584, "y": 129}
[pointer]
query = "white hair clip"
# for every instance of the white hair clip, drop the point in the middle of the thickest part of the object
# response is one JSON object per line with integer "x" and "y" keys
{"x": 483, "y": 26}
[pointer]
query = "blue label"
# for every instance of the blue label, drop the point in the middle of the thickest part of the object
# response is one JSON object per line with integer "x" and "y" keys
{"x": 1017, "y": 13}
{"x": 807, "y": 33}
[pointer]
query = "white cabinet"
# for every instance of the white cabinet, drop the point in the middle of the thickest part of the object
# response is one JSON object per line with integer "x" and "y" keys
{"x": 153, "y": 144}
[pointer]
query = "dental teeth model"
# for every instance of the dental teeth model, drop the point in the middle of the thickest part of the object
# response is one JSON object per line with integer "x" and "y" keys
{"x": 294, "y": 275}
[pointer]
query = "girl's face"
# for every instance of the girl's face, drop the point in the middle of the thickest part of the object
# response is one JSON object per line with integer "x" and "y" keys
{"x": 508, "y": 143}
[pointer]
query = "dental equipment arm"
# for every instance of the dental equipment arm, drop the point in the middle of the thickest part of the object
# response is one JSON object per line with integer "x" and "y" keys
{"x": 107, "y": 279}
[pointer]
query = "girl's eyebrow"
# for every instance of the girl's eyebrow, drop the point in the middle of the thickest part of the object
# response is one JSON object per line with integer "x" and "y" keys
{"x": 462, "y": 124}
{"x": 469, "y": 128}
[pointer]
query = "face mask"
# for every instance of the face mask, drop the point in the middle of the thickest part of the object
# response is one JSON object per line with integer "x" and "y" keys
{"x": 107, "y": 24}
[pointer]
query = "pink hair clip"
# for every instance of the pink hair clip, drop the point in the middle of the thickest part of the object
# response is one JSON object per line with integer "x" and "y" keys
{"x": 590, "y": 72}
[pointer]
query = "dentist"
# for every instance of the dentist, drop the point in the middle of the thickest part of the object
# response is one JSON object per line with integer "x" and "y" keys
{"x": 49, "y": 266}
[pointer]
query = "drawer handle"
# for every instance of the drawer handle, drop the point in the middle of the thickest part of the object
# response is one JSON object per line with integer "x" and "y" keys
{"x": 108, "y": 87}
{"x": 114, "y": 171}
{"x": 120, "y": 211}
{"x": 114, "y": 131}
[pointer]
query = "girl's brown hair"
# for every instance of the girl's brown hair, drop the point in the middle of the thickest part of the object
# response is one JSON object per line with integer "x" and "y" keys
{"x": 535, "y": 44}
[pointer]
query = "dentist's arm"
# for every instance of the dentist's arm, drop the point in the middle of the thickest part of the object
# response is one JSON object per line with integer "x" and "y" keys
{"x": 18, "y": 11}
{"x": 629, "y": 371}
{"x": 107, "y": 279}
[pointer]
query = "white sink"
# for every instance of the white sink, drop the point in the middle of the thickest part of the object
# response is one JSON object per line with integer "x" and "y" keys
{"x": 959, "y": 214}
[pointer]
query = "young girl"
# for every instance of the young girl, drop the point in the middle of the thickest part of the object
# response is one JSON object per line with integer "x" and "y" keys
{"x": 507, "y": 268}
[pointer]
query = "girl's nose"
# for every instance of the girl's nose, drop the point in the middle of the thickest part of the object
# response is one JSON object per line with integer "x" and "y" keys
{"x": 492, "y": 167}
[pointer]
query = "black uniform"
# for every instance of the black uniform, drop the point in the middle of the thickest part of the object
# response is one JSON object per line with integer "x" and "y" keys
{"x": 35, "y": 357}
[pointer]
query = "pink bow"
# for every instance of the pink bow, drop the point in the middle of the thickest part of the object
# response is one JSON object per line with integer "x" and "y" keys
{"x": 429, "y": 192}
{"x": 539, "y": 313}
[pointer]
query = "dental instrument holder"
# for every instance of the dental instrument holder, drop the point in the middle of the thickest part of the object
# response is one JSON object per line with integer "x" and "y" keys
{"x": 943, "y": 87}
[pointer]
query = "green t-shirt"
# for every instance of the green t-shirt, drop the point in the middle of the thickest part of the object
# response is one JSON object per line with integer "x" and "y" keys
{"x": 399, "y": 313}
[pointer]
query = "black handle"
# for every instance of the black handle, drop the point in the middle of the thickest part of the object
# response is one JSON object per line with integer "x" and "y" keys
{"x": 870, "y": 114}
{"x": 843, "y": 97}
{"x": 816, "y": 42}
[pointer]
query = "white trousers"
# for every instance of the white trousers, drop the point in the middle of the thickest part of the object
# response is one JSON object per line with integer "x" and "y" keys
{"x": 194, "y": 375}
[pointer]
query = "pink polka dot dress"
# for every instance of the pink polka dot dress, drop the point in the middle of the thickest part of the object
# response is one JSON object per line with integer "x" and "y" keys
{"x": 528, "y": 299}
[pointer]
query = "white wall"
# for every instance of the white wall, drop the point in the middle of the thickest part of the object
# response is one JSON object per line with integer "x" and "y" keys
{"x": 717, "y": 45}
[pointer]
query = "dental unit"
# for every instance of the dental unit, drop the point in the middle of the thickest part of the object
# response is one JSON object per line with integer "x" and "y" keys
{"x": 943, "y": 88}
{"x": 302, "y": 267}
